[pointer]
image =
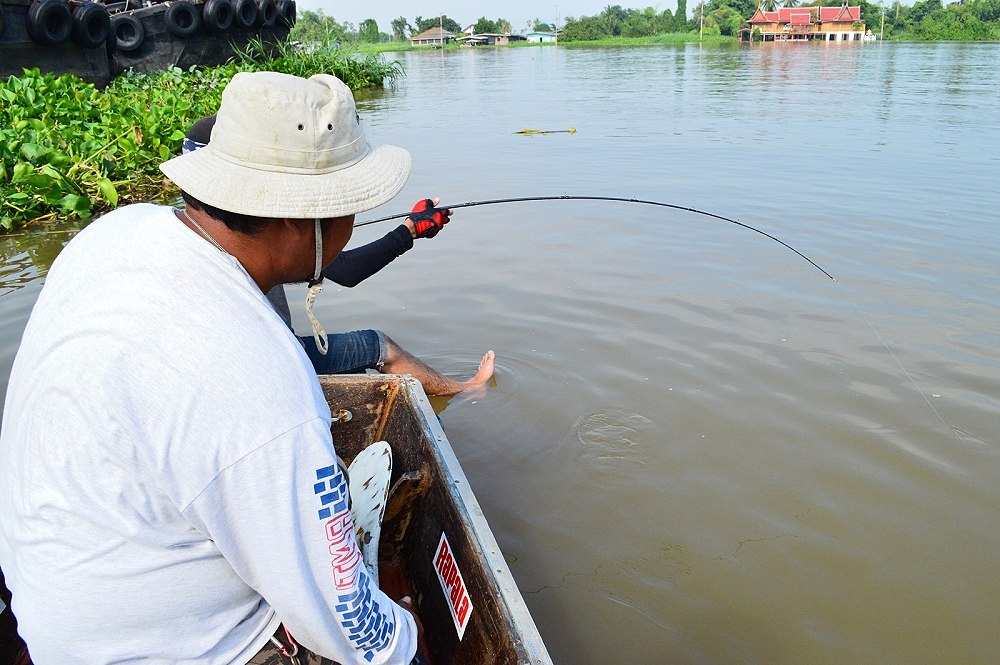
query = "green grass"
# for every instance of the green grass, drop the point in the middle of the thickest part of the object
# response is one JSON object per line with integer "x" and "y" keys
{"x": 654, "y": 40}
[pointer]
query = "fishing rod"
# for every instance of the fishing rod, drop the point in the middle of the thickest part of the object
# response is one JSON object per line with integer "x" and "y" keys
{"x": 526, "y": 199}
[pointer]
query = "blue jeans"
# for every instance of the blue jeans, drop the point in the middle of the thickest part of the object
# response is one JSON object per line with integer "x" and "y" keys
{"x": 349, "y": 353}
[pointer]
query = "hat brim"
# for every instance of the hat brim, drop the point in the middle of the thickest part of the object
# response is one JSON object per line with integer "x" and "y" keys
{"x": 369, "y": 183}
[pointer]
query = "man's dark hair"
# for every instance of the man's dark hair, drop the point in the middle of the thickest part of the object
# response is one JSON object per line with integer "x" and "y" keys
{"x": 201, "y": 131}
{"x": 246, "y": 224}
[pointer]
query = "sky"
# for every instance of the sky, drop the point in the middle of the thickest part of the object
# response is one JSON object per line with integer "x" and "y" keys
{"x": 518, "y": 12}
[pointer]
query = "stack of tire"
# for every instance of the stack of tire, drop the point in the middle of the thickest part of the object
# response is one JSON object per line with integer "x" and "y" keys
{"x": 54, "y": 22}
{"x": 185, "y": 18}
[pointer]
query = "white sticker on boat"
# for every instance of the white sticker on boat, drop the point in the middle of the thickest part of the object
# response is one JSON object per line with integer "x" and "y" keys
{"x": 453, "y": 585}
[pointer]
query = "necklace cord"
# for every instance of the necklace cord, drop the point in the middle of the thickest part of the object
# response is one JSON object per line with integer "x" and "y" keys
{"x": 203, "y": 231}
{"x": 315, "y": 286}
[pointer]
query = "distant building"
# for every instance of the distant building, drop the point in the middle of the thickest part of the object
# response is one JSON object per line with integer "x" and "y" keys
{"x": 491, "y": 39}
{"x": 432, "y": 37}
{"x": 541, "y": 37}
{"x": 805, "y": 23}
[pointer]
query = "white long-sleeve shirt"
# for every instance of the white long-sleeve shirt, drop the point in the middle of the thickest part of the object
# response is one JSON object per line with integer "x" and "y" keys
{"x": 168, "y": 485}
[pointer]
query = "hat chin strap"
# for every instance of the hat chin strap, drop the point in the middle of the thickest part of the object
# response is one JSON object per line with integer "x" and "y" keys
{"x": 315, "y": 288}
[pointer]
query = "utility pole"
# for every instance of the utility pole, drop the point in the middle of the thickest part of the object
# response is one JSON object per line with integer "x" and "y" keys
{"x": 701, "y": 22}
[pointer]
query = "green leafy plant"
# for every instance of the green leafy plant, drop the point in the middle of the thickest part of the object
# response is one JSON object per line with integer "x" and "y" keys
{"x": 69, "y": 150}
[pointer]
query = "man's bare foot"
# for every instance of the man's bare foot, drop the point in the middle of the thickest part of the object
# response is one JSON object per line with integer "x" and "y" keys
{"x": 486, "y": 368}
{"x": 399, "y": 361}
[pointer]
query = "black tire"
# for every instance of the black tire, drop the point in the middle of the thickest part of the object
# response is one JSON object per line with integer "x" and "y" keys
{"x": 218, "y": 15}
{"x": 49, "y": 22}
{"x": 183, "y": 18}
{"x": 246, "y": 13}
{"x": 129, "y": 33}
{"x": 267, "y": 13}
{"x": 91, "y": 25}
{"x": 286, "y": 12}
{"x": 111, "y": 43}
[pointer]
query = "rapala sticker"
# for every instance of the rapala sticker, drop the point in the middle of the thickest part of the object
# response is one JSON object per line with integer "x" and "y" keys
{"x": 453, "y": 585}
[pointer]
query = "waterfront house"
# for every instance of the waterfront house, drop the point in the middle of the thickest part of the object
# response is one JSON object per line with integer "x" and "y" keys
{"x": 541, "y": 37}
{"x": 433, "y": 37}
{"x": 806, "y": 23}
{"x": 491, "y": 39}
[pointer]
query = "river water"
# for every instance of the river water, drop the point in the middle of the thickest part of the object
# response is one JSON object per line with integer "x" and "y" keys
{"x": 699, "y": 448}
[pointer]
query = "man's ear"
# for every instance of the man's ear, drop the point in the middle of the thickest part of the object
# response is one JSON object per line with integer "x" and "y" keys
{"x": 297, "y": 227}
{"x": 291, "y": 240}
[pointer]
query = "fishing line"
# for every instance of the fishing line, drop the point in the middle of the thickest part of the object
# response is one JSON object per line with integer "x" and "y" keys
{"x": 526, "y": 199}
{"x": 954, "y": 430}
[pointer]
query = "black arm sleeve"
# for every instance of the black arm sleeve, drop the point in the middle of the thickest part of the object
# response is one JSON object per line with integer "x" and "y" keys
{"x": 353, "y": 266}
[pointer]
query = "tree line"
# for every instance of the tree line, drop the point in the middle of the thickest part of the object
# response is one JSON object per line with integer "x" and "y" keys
{"x": 317, "y": 27}
{"x": 924, "y": 20}
{"x": 965, "y": 20}
{"x": 930, "y": 20}
{"x": 615, "y": 21}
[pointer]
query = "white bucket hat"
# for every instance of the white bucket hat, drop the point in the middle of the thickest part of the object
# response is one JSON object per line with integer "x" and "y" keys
{"x": 285, "y": 146}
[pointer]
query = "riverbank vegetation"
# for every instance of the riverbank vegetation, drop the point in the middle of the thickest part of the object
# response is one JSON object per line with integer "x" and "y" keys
{"x": 930, "y": 20}
{"x": 614, "y": 26}
{"x": 614, "y": 23}
{"x": 925, "y": 20}
{"x": 315, "y": 27}
{"x": 69, "y": 150}
{"x": 652, "y": 40}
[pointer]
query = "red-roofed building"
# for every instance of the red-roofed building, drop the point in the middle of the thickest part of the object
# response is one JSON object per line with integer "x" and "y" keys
{"x": 805, "y": 23}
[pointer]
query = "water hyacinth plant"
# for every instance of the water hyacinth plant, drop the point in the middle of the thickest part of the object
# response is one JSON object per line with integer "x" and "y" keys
{"x": 69, "y": 150}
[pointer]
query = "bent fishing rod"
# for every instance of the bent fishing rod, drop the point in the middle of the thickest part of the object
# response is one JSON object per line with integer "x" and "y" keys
{"x": 619, "y": 199}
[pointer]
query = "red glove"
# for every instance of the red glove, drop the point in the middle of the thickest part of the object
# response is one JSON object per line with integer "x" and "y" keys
{"x": 428, "y": 220}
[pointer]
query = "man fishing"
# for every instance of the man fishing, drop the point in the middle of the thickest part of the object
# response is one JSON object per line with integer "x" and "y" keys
{"x": 164, "y": 499}
{"x": 361, "y": 350}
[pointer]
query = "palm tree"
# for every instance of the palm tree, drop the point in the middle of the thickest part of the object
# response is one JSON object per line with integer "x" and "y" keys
{"x": 791, "y": 3}
{"x": 770, "y": 5}
{"x": 614, "y": 17}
